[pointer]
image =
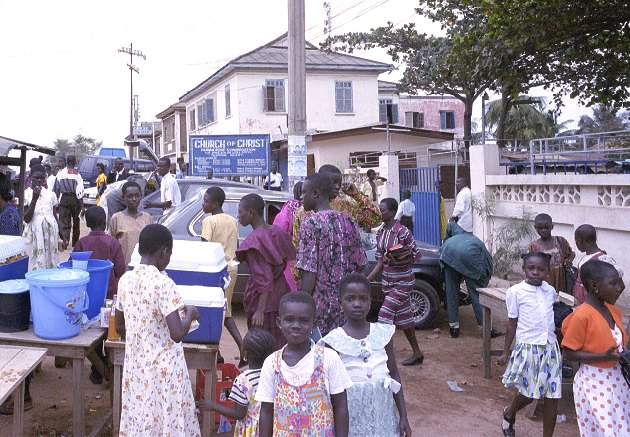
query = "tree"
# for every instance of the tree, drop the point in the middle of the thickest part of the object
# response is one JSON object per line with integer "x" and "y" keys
{"x": 454, "y": 64}
{"x": 80, "y": 146}
{"x": 604, "y": 119}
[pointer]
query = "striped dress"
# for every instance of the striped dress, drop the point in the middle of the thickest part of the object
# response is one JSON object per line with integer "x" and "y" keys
{"x": 398, "y": 281}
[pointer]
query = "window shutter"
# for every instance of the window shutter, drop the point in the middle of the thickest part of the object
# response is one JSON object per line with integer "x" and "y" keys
{"x": 442, "y": 120}
{"x": 394, "y": 119}
{"x": 382, "y": 112}
{"x": 210, "y": 109}
{"x": 279, "y": 96}
{"x": 409, "y": 119}
{"x": 264, "y": 95}
{"x": 420, "y": 123}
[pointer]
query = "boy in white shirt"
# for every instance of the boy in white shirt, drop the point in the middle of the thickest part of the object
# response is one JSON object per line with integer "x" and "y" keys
{"x": 462, "y": 213}
{"x": 406, "y": 211}
{"x": 169, "y": 189}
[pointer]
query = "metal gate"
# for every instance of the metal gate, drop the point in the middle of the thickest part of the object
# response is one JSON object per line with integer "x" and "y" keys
{"x": 424, "y": 184}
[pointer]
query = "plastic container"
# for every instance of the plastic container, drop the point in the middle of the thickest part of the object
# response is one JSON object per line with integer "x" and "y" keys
{"x": 194, "y": 263}
{"x": 210, "y": 302}
{"x": 14, "y": 270}
{"x": 100, "y": 273}
{"x": 58, "y": 300}
{"x": 80, "y": 259}
{"x": 15, "y": 305}
{"x": 11, "y": 245}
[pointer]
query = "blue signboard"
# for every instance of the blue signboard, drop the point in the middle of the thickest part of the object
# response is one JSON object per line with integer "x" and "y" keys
{"x": 229, "y": 155}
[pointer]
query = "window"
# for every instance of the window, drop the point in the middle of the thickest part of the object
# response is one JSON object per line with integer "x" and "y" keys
{"x": 447, "y": 120}
{"x": 228, "y": 107}
{"x": 193, "y": 119}
{"x": 205, "y": 112}
{"x": 343, "y": 97}
{"x": 387, "y": 110}
{"x": 414, "y": 119}
{"x": 273, "y": 95}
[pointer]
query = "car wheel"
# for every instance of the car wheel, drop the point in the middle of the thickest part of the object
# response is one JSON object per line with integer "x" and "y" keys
{"x": 425, "y": 304}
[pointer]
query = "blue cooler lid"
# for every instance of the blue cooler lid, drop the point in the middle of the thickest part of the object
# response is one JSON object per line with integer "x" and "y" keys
{"x": 209, "y": 297}
{"x": 14, "y": 286}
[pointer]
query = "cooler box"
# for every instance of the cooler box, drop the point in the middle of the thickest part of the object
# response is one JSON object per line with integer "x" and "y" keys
{"x": 194, "y": 263}
{"x": 13, "y": 259}
{"x": 210, "y": 302}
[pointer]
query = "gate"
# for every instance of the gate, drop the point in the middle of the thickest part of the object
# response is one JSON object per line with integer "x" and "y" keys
{"x": 424, "y": 184}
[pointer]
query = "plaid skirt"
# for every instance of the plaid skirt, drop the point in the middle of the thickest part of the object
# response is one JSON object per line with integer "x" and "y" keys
{"x": 535, "y": 370}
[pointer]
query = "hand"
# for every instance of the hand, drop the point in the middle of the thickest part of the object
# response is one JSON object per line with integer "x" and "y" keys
{"x": 192, "y": 312}
{"x": 258, "y": 319}
{"x": 350, "y": 189}
{"x": 503, "y": 359}
{"x": 453, "y": 219}
{"x": 404, "y": 428}
{"x": 37, "y": 191}
{"x": 613, "y": 353}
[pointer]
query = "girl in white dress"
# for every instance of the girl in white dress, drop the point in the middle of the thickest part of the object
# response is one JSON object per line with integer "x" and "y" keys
{"x": 157, "y": 398}
{"x": 41, "y": 232}
{"x": 376, "y": 404}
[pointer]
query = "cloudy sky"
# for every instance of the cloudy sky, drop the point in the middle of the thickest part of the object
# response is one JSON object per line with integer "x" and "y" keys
{"x": 61, "y": 73}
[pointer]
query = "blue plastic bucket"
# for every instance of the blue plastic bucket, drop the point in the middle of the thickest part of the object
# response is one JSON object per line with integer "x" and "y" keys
{"x": 58, "y": 300}
{"x": 100, "y": 272}
{"x": 80, "y": 259}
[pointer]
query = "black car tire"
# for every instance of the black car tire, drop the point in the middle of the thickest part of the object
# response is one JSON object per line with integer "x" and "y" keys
{"x": 425, "y": 304}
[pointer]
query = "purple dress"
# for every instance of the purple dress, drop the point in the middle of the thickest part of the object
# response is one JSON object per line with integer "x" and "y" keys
{"x": 329, "y": 246}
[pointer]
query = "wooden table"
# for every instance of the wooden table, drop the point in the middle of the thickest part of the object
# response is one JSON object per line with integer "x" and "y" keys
{"x": 492, "y": 301}
{"x": 16, "y": 363}
{"x": 76, "y": 349}
{"x": 198, "y": 356}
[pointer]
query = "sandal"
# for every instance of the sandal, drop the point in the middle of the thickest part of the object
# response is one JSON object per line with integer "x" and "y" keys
{"x": 507, "y": 426}
{"x": 413, "y": 361}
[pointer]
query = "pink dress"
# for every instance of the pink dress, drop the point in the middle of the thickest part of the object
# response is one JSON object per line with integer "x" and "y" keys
{"x": 284, "y": 220}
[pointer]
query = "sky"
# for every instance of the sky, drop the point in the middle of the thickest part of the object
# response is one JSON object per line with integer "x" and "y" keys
{"x": 61, "y": 74}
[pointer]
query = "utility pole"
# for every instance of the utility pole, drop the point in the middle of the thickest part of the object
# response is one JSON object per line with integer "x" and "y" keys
{"x": 297, "y": 94}
{"x": 132, "y": 68}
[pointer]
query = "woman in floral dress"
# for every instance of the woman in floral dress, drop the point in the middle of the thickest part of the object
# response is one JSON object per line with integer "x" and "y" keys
{"x": 41, "y": 232}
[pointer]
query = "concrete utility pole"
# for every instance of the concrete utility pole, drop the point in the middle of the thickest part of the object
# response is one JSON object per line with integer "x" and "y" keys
{"x": 132, "y": 68}
{"x": 297, "y": 94}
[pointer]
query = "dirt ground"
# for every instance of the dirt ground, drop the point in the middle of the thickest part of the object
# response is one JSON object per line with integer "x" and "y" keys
{"x": 433, "y": 408}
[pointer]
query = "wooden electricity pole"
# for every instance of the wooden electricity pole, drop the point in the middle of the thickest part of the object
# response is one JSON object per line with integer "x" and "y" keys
{"x": 132, "y": 68}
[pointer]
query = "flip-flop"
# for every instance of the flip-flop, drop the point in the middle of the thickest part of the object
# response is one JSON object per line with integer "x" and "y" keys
{"x": 509, "y": 431}
{"x": 413, "y": 361}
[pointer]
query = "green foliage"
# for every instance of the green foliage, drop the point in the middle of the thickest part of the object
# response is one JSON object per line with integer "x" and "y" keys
{"x": 604, "y": 119}
{"x": 79, "y": 146}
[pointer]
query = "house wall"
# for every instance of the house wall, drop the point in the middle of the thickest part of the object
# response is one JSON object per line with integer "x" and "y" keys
{"x": 602, "y": 200}
{"x": 431, "y": 106}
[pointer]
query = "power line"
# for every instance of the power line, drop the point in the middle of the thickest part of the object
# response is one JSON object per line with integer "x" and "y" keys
{"x": 339, "y": 13}
{"x": 359, "y": 15}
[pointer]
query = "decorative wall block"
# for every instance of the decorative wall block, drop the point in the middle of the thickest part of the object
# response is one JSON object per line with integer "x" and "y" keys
{"x": 560, "y": 194}
{"x": 614, "y": 195}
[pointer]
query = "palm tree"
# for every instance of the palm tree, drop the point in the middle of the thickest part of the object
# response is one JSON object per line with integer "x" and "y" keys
{"x": 523, "y": 122}
{"x": 604, "y": 119}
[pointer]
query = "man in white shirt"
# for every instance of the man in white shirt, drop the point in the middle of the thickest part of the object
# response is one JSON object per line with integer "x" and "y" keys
{"x": 406, "y": 211}
{"x": 462, "y": 213}
{"x": 68, "y": 188}
{"x": 170, "y": 195}
{"x": 274, "y": 180}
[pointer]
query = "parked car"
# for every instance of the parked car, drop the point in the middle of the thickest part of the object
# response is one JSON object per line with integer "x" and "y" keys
{"x": 426, "y": 298}
{"x": 88, "y": 171}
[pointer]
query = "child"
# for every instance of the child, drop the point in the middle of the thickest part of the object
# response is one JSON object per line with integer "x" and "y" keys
{"x": 367, "y": 351}
{"x": 329, "y": 249}
{"x": 302, "y": 387}
{"x": 535, "y": 362}
{"x": 223, "y": 228}
{"x": 102, "y": 246}
{"x": 258, "y": 344}
{"x": 266, "y": 251}
{"x": 594, "y": 336}
{"x": 406, "y": 211}
{"x": 398, "y": 279}
{"x": 157, "y": 398}
{"x": 586, "y": 241}
{"x": 126, "y": 225}
{"x": 557, "y": 247}
{"x": 41, "y": 232}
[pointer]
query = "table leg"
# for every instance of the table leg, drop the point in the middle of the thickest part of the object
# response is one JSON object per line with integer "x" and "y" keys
{"x": 18, "y": 410}
{"x": 78, "y": 412}
{"x": 116, "y": 398}
{"x": 207, "y": 421}
{"x": 487, "y": 326}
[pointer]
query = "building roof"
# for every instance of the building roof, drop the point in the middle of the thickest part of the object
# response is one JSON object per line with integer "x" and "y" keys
{"x": 275, "y": 56}
{"x": 171, "y": 110}
{"x": 6, "y": 144}
{"x": 387, "y": 87}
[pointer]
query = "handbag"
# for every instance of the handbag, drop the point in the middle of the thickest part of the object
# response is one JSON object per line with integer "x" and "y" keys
{"x": 624, "y": 360}
{"x": 570, "y": 278}
{"x": 560, "y": 312}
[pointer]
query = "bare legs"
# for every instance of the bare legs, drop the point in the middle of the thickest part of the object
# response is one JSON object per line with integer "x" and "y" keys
{"x": 550, "y": 410}
{"x": 417, "y": 356}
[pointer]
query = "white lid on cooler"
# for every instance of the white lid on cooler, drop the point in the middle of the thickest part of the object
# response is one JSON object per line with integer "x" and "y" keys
{"x": 210, "y": 297}
{"x": 10, "y": 246}
{"x": 192, "y": 256}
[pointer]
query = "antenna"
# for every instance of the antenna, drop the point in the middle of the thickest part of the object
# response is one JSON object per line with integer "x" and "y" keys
{"x": 132, "y": 69}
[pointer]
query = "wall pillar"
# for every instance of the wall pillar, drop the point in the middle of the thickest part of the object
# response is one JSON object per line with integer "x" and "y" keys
{"x": 484, "y": 160}
{"x": 388, "y": 168}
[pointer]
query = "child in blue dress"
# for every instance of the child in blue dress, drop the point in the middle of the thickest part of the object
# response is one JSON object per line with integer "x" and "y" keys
{"x": 534, "y": 365}
{"x": 376, "y": 403}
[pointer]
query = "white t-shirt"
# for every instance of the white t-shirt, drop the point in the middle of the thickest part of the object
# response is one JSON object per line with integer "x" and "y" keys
{"x": 169, "y": 190}
{"x": 337, "y": 379}
{"x": 274, "y": 180}
{"x": 463, "y": 209}
{"x": 533, "y": 307}
{"x": 406, "y": 208}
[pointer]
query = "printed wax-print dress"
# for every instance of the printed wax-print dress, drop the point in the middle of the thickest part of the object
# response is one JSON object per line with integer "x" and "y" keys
{"x": 330, "y": 246}
{"x": 306, "y": 410}
{"x": 535, "y": 370}
{"x": 602, "y": 398}
{"x": 561, "y": 255}
{"x": 42, "y": 233}
{"x": 157, "y": 398}
{"x": 398, "y": 281}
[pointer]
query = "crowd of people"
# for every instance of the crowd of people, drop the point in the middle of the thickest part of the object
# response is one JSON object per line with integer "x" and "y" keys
{"x": 314, "y": 363}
